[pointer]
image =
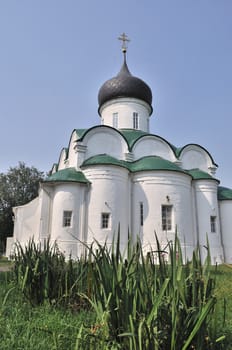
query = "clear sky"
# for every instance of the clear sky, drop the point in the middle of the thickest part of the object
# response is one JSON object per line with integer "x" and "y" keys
{"x": 55, "y": 55}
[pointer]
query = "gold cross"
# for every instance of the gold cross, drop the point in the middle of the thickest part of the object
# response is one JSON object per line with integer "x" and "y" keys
{"x": 124, "y": 38}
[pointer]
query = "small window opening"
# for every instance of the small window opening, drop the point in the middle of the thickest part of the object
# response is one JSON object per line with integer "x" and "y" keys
{"x": 167, "y": 217}
{"x": 67, "y": 218}
{"x": 105, "y": 218}
{"x": 213, "y": 224}
{"x": 141, "y": 213}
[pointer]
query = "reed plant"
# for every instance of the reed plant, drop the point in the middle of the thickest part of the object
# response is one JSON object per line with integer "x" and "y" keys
{"x": 144, "y": 305}
{"x": 140, "y": 301}
{"x": 42, "y": 274}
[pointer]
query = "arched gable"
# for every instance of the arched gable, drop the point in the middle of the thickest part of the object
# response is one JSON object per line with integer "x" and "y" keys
{"x": 100, "y": 139}
{"x": 195, "y": 156}
{"x": 153, "y": 145}
{"x": 63, "y": 158}
{"x": 54, "y": 168}
{"x": 75, "y": 136}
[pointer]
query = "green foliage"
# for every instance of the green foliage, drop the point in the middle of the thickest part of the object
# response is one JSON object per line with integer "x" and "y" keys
{"x": 17, "y": 187}
{"x": 137, "y": 304}
{"x": 43, "y": 275}
{"x": 38, "y": 328}
{"x": 144, "y": 305}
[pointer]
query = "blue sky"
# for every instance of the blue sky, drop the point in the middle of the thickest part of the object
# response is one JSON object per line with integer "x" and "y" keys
{"x": 55, "y": 55}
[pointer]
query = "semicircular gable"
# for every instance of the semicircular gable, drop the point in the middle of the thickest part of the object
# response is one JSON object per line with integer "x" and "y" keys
{"x": 54, "y": 168}
{"x": 153, "y": 145}
{"x": 195, "y": 156}
{"x": 100, "y": 139}
{"x": 75, "y": 136}
{"x": 63, "y": 158}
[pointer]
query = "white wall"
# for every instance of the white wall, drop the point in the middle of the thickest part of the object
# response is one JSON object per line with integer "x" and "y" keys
{"x": 27, "y": 221}
{"x": 109, "y": 193}
{"x": 152, "y": 145}
{"x": 125, "y": 108}
{"x": 46, "y": 195}
{"x": 225, "y": 207}
{"x": 206, "y": 206}
{"x": 71, "y": 197}
{"x": 105, "y": 140}
{"x": 159, "y": 188}
{"x": 195, "y": 157}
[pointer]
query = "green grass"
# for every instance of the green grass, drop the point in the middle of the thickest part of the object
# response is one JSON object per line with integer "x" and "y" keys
{"x": 5, "y": 262}
{"x": 223, "y": 293}
{"x": 46, "y": 327}
{"x": 23, "y": 327}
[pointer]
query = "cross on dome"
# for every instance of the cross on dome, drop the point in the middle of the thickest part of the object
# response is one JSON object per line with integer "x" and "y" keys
{"x": 124, "y": 38}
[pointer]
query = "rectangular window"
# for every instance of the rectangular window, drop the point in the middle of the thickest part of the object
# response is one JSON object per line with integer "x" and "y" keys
{"x": 135, "y": 120}
{"x": 167, "y": 217}
{"x": 105, "y": 218}
{"x": 115, "y": 120}
{"x": 213, "y": 224}
{"x": 141, "y": 213}
{"x": 67, "y": 218}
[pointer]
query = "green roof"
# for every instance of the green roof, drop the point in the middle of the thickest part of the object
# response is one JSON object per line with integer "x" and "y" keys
{"x": 145, "y": 164}
{"x": 142, "y": 164}
{"x": 198, "y": 174}
{"x": 80, "y": 132}
{"x": 154, "y": 163}
{"x": 67, "y": 175}
{"x": 102, "y": 159}
{"x": 224, "y": 193}
{"x": 132, "y": 135}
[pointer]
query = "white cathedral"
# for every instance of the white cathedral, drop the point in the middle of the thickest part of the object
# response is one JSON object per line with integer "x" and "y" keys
{"x": 118, "y": 174}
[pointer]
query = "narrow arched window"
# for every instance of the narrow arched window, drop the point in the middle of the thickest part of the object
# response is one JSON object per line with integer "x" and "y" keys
{"x": 135, "y": 120}
{"x": 213, "y": 224}
{"x": 141, "y": 213}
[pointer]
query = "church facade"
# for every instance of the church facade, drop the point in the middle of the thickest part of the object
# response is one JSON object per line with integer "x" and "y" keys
{"x": 119, "y": 174}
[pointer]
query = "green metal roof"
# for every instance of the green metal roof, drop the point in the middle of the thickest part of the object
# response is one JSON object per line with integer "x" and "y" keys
{"x": 104, "y": 159}
{"x": 67, "y": 175}
{"x": 224, "y": 193}
{"x": 132, "y": 135}
{"x": 145, "y": 164}
{"x": 80, "y": 132}
{"x": 198, "y": 174}
{"x": 142, "y": 164}
{"x": 154, "y": 163}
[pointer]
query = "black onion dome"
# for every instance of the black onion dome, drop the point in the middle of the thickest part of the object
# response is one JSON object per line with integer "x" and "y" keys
{"x": 124, "y": 85}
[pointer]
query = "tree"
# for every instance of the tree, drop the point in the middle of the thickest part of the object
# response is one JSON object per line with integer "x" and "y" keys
{"x": 17, "y": 187}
